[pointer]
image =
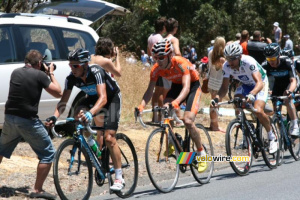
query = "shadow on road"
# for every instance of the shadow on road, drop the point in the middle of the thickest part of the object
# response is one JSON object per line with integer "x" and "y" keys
{"x": 7, "y": 192}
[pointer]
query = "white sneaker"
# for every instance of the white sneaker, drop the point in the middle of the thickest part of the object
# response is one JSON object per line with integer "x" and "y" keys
{"x": 294, "y": 132}
{"x": 273, "y": 146}
{"x": 118, "y": 185}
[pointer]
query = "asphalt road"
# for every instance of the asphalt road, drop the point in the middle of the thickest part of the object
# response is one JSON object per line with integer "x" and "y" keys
{"x": 260, "y": 183}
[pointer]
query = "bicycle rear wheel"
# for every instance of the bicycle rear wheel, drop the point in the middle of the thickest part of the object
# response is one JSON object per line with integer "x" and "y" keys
{"x": 271, "y": 160}
{"x": 129, "y": 165}
{"x": 203, "y": 177}
{"x": 239, "y": 147}
{"x": 162, "y": 170}
{"x": 294, "y": 147}
{"x": 72, "y": 171}
{"x": 281, "y": 139}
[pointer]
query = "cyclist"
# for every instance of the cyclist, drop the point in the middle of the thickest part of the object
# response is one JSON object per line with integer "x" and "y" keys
{"x": 103, "y": 95}
{"x": 285, "y": 80}
{"x": 185, "y": 86}
{"x": 254, "y": 84}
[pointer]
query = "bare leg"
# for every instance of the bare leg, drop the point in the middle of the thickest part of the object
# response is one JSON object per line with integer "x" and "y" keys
{"x": 189, "y": 119}
{"x": 260, "y": 114}
{"x": 1, "y": 157}
{"x": 41, "y": 175}
{"x": 111, "y": 142}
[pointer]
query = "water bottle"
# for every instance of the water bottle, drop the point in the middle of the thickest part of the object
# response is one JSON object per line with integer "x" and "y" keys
{"x": 284, "y": 119}
{"x": 94, "y": 147}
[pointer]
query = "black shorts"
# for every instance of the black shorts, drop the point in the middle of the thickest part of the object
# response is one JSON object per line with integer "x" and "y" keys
{"x": 111, "y": 110}
{"x": 159, "y": 82}
{"x": 192, "y": 99}
{"x": 279, "y": 89}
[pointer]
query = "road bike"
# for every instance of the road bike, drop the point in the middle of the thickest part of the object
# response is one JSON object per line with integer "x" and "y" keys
{"x": 74, "y": 162}
{"x": 286, "y": 140}
{"x": 164, "y": 147}
{"x": 244, "y": 139}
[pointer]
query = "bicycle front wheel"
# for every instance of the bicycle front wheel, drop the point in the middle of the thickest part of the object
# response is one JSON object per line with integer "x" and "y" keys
{"x": 162, "y": 169}
{"x": 294, "y": 147}
{"x": 281, "y": 139}
{"x": 271, "y": 159}
{"x": 72, "y": 171}
{"x": 203, "y": 177}
{"x": 239, "y": 148}
{"x": 129, "y": 165}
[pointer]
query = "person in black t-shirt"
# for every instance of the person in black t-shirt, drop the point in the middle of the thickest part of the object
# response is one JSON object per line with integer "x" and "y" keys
{"x": 103, "y": 96}
{"x": 256, "y": 48}
{"x": 281, "y": 68}
{"x": 21, "y": 119}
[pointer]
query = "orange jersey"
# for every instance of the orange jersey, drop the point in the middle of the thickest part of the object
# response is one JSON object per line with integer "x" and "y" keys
{"x": 179, "y": 67}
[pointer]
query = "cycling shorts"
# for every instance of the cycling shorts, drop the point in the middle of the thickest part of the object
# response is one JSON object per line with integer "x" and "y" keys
{"x": 162, "y": 82}
{"x": 246, "y": 89}
{"x": 192, "y": 99}
{"x": 111, "y": 110}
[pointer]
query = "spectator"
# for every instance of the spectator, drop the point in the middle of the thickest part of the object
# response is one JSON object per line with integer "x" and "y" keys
{"x": 211, "y": 47}
{"x": 145, "y": 59}
{"x": 288, "y": 42}
{"x": 266, "y": 40}
{"x": 277, "y": 33}
{"x": 238, "y": 37}
{"x": 216, "y": 60}
{"x": 158, "y": 95}
{"x": 244, "y": 41}
{"x": 256, "y": 48}
{"x": 193, "y": 54}
{"x": 22, "y": 121}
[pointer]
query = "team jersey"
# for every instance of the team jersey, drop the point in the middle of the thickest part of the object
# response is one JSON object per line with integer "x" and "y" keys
{"x": 180, "y": 66}
{"x": 248, "y": 66}
{"x": 96, "y": 75}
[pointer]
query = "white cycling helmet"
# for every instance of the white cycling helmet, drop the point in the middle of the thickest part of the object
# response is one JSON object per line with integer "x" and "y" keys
{"x": 233, "y": 50}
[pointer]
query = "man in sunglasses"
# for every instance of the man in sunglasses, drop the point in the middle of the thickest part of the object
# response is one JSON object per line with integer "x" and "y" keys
{"x": 185, "y": 87}
{"x": 285, "y": 83}
{"x": 103, "y": 96}
{"x": 254, "y": 85}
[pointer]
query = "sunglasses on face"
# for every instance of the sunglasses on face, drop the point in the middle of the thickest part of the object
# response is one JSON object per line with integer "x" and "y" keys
{"x": 271, "y": 59}
{"x": 160, "y": 58}
{"x": 76, "y": 65}
{"x": 231, "y": 58}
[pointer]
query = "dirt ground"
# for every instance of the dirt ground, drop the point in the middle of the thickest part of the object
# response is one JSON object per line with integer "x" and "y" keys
{"x": 17, "y": 175}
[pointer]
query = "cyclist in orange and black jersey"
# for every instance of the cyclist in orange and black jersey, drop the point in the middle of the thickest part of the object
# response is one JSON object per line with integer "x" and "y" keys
{"x": 185, "y": 86}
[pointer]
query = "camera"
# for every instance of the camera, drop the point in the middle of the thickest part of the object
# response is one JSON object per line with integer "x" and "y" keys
{"x": 47, "y": 64}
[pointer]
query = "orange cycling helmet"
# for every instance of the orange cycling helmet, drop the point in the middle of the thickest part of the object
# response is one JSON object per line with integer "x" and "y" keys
{"x": 162, "y": 48}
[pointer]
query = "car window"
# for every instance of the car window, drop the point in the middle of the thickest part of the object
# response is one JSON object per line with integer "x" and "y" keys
{"x": 78, "y": 39}
{"x": 6, "y": 47}
{"x": 41, "y": 39}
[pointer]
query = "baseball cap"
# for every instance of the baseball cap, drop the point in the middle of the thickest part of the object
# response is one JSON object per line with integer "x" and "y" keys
{"x": 276, "y": 24}
{"x": 286, "y": 36}
{"x": 238, "y": 35}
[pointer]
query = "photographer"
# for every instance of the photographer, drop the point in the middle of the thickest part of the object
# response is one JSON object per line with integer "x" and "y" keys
{"x": 21, "y": 119}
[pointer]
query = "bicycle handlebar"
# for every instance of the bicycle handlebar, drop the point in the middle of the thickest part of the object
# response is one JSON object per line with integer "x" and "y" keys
{"x": 72, "y": 120}
{"x": 138, "y": 116}
{"x": 236, "y": 100}
{"x": 282, "y": 97}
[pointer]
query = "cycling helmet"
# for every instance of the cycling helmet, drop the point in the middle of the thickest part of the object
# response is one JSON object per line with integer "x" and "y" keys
{"x": 80, "y": 55}
{"x": 287, "y": 52}
{"x": 162, "y": 48}
{"x": 233, "y": 50}
{"x": 272, "y": 50}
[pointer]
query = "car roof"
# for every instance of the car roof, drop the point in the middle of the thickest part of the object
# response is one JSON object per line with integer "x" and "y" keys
{"x": 47, "y": 20}
{"x": 92, "y": 10}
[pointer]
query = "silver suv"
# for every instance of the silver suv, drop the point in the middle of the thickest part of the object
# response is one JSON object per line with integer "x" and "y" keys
{"x": 54, "y": 36}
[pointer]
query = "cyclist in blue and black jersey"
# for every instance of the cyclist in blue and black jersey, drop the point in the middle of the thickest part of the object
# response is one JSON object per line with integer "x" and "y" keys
{"x": 282, "y": 69}
{"x": 103, "y": 96}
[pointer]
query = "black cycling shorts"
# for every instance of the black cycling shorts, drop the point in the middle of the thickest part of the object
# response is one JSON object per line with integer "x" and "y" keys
{"x": 111, "y": 110}
{"x": 159, "y": 82}
{"x": 192, "y": 99}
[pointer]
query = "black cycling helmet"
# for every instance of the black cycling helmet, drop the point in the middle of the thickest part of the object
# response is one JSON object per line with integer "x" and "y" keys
{"x": 233, "y": 50}
{"x": 80, "y": 55}
{"x": 162, "y": 48}
{"x": 272, "y": 50}
{"x": 287, "y": 52}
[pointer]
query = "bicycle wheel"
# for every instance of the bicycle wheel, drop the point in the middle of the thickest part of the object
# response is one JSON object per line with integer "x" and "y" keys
{"x": 271, "y": 160}
{"x": 203, "y": 177}
{"x": 281, "y": 139}
{"x": 129, "y": 165}
{"x": 72, "y": 171}
{"x": 294, "y": 147}
{"x": 239, "y": 148}
{"x": 162, "y": 170}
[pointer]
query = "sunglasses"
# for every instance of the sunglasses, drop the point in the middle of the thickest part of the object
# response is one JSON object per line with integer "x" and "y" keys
{"x": 77, "y": 65}
{"x": 271, "y": 58}
{"x": 160, "y": 58}
{"x": 232, "y": 58}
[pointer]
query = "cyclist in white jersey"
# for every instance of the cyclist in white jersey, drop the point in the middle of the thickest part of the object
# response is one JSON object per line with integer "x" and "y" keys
{"x": 254, "y": 84}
